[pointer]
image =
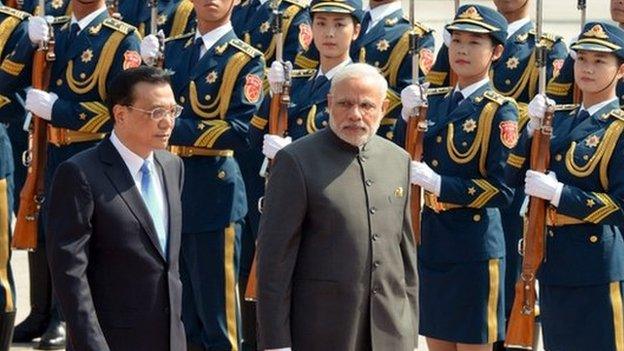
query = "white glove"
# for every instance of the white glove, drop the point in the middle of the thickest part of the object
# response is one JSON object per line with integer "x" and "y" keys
{"x": 38, "y": 30}
{"x": 544, "y": 186}
{"x": 426, "y": 177}
{"x": 150, "y": 46}
{"x": 40, "y": 103}
{"x": 274, "y": 143}
{"x": 537, "y": 110}
{"x": 276, "y": 77}
{"x": 412, "y": 97}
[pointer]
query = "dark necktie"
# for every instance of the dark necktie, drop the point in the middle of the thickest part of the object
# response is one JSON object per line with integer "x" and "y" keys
{"x": 455, "y": 101}
{"x": 366, "y": 21}
{"x": 196, "y": 51}
{"x": 581, "y": 116}
{"x": 73, "y": 33}
{"x": 319, "y": 82}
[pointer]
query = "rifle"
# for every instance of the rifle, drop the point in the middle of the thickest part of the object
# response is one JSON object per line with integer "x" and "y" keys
{"x": 160, "y": 59}
{"x": 32, "y": 195}
{"x": 581, "y": 5}
{"x": 113, "y": 9}
{"x": 521, "y": 331}
{"x": 416, "y": 129}
{"x": 278, "y": 124}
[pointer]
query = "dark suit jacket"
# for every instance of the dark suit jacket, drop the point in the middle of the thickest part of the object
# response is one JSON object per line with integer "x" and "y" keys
{"x": 116, "y": 288}
{"x": 336, "y": 257}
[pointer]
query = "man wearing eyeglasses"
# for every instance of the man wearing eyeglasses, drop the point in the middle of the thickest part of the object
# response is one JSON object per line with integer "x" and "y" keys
{"x": 114, "y": 226}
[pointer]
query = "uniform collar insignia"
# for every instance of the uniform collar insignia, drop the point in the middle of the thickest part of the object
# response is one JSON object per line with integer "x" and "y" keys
{"x": 221, "y": 49}
{"x": 471, "y": 13}
{"x": 95, "y": 30}
{"x": 392, "y": 21}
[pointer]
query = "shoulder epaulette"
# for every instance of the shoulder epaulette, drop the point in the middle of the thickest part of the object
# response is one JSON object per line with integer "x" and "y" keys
{"x": 181, "y": 36}
{"x": 566, "y": 107}
{"x": 244, "y": 47}
{"x": 118, "y": 25}
{"x": 547, "y": 39}
{"x": 618, "y": 113}
{"x": 438, "y": 91}
{"x": 421, "y": 28}
{"x": 496, "y": 97}
{"x": 303, "y": 73}
{"x": 60, "y": 20}
{"x": 301, "y": 3}
{"x": 13, "y": 12}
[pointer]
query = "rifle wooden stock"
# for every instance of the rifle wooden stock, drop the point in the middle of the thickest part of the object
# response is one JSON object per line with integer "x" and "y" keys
{"x": 416, "y": 128}
{"x": 278, "y": 124}
{"x": 32, "y": 195}
{"x": 521, "y": 327}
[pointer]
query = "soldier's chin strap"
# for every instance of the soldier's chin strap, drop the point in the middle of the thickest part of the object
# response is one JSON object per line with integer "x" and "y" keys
{"x": 614, "y": 79}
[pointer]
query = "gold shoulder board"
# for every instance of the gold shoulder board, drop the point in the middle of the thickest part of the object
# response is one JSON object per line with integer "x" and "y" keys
{"x": 301, "y": 3}
{"x": 13, "y": 12}
{"x": 244, "y": 47}
{"x": 438, "y": 91}
{"x": 118, "y": 25}
{"x": 566, "y": 107}
{"x": 181, "y": 36}
{"x": 303, "y": 73}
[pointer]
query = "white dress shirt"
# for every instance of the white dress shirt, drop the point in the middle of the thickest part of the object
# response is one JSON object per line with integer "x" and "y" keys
{"x": 86, "y": 20}
{"x": 134, "y": 163}
{"x": 514, "y": 26}
{"x": 595, "y": 108}
{"x": 332, "y": 72}
{"x": 469, "y": 90}
{"x": 212, "y": 37}
{"x": 380, "y": 12}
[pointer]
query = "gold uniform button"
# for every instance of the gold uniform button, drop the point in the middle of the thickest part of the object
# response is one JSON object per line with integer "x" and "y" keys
{"x": 207, "y": 97}
{"x": 585, "y": 157}
{"x": 558, "y": 157}
{"x": 221, "y": 174}
{"x": 59, "y": 82}
{"x": 299, "y": 121}
{"x": 389, "y": 135}
{"x": 507, "y": 81}
{"x": 593, "y": 239}
{"x": 438, "y": 139}
{"x": 434, "y": 163}
{"x": 182, "y": 99}
{"x": 83, "y": 76}
{"x": 476, "y": 217}
{"x": 324, "y": 123}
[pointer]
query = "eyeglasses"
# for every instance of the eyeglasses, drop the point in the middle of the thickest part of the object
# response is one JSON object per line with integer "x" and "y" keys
{"x": 160, "y": 112}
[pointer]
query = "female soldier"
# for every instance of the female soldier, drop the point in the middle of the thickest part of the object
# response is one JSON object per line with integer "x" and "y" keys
{"x": 334, "y": 27}
{"x": 471, "y": 130}
{"x": 581, "y": 277}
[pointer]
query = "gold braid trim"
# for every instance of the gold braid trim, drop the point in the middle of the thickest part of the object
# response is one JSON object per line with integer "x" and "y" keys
{"x": 216, "y": 128}
{"x": 310, "y": 125}
{"x": 6, "y": 29}
{"x": 609, "y": 206}
{"x": 523, "y": 115}
{"x": 481, "y": 141}
{"x": 305, "y": 62}
{"x": 12, "y": 68}
{"x": 221, "y": 103}
{"x": 394, "y": 100}
{"x": 4, "y": 101}
{"x": 515, "y": 160}
{"x": 526, "y": 76}
{"x": 101, "y": 69}
{"x": 96, "y": 122}
{"x": 289, "y": 16}
{"x": 181, "y": 17}
{"x": 489, "y": 191}
{"x": 558, "y": 89}
{"x": 608, "y": 143}
{"x": 400, "y": 50}
{"x": 258, "y": 122}
{"x": 436, "y": 77}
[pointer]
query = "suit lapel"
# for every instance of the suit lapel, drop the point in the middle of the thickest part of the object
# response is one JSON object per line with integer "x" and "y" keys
{"x": 117, "y": 172}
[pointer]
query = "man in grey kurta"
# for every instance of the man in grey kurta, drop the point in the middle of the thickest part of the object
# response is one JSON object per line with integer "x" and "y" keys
{"x": 336, "y": 255}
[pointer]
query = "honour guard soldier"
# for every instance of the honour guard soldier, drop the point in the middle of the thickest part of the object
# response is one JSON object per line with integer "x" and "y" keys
{"x": 11, "y": 113}
{"x": 218, "y": 81}
{"x": 91, "y": 48}
{"x": 581, "y": 278}
{"x": 471, "y": 130}
{"x": 562, "y": 88}
{"x": 53, "y": 8}
{"x": 252, "y": 21}
{"x": 175, "y": 17}
{"x": 334, "y": 27}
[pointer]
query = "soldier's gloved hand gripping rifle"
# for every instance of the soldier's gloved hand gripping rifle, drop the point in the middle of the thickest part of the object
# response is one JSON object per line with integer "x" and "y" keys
{"x": 160, "y": 59}
{"x": 521, "y": 331}
{"x": 32, "y": 195}
{"x": 278, "y": 124}
{"x": 416, "y": 128}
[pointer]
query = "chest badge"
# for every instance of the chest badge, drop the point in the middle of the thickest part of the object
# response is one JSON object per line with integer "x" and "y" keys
{"x": 592, "y": 141}
{"x": 512, "y": 62}
{"x": 469, "y": 125}
{"x": 383, "y": 45}
{"x": 398, "y": 192}
{"x": 212, "y": 77}
{"x": 56, "y": 4}
{"x": 162, "y": 19}
{"x": 86, "y": 56}
{"x": 264, "y": 27}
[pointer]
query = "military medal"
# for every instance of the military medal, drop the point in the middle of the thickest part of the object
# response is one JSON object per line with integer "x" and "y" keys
{"x": 592, "y": 141}
{"x": 86, "y": 56}
{"x": 512, "y": 62}
{"x": 509, "y": 133}
{"x": 383, "y": 45}
{"x": 469, "y": 125}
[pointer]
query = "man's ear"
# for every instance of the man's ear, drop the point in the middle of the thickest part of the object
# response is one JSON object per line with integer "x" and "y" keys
{"x": 120, "y": 114}
{"x": 384, "y": 107}
{"x": 498, "y": 52}
{"x": 620, "y": 73}
{"x": 357, "y": 29}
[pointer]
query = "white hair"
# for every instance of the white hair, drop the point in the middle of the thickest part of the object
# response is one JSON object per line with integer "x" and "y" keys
{"x": 360, "y": 70}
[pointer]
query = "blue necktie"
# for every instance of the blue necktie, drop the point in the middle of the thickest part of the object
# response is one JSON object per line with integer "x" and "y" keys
{"x": 195, "y": 52}
{"x": 581, "y": 116}
{"x": 148, "y": 191}
{"x": 366, "y": 21}
{"x": 73, "y": 33}
{"x": 455, "y": 100}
